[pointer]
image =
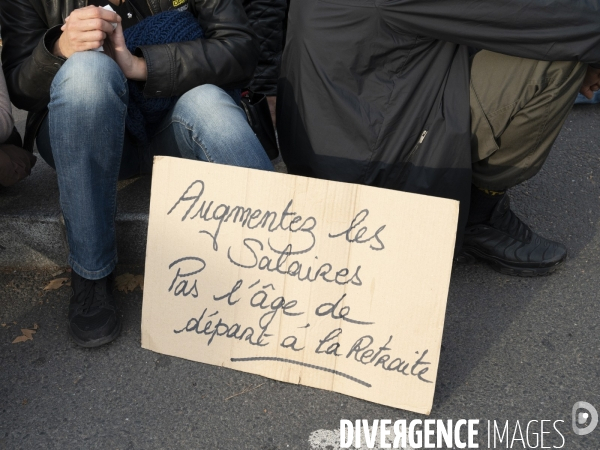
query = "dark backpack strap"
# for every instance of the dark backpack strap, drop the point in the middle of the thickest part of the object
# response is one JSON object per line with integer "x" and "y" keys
{"x": 192, "y": 7}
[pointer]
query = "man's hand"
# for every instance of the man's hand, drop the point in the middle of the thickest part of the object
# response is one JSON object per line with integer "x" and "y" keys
{"x": 85, "y": 29}
{"x": 132, "y": 66}
{"x": 591, "y": 82}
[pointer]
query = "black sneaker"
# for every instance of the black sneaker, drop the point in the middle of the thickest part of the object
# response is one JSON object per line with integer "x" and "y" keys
{"x": 509, "y": 245}
{"x": 93, "y": 316}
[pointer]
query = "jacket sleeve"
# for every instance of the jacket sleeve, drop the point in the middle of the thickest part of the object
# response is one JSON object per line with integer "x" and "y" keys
{"x": 226, "y": 57}
{"x": 28, "y": 65}
{"x": 267, "y": 21}
{"x": 558, "y": 30}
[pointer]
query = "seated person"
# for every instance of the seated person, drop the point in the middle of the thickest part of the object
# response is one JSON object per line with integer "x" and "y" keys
{"x": 15, "y": 163}
{"x": 78, "y": 103}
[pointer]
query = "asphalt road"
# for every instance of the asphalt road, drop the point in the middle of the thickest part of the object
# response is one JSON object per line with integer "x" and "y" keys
{"x": 513, "y": 349}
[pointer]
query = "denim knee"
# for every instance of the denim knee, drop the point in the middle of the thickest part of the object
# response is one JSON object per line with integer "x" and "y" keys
{"x": 207, "y": 108}
{"x": 88, "y": 80}
{"x": 88, "y": 104}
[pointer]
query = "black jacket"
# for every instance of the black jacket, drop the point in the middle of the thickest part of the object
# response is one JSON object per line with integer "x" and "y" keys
{"x": 226, "y": 57}
{"x": 267, "y": 18}
{"x": 377, "y": 91}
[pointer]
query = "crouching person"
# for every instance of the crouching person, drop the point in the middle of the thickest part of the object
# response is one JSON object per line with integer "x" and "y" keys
{"x": 98, "y": 116}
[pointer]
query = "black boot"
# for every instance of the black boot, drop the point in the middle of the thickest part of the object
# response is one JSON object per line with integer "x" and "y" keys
{"x": 509, "y": 245}
{"x": 93, "y": 315}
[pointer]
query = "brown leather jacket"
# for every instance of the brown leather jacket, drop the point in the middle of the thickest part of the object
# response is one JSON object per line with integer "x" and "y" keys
{"x": 226, "y": 57}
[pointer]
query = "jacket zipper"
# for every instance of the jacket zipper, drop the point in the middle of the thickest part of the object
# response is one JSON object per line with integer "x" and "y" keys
{"x": 150, "y": 7}
{"x": 417, "y": 145}
{"x": 136, "y": 11}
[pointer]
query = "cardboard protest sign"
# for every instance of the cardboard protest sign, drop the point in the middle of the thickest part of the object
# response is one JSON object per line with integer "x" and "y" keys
{"x": 330, "y": 285}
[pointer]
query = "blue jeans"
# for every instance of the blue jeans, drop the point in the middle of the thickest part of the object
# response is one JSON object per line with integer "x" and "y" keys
{"x": 83, "y": 138}
{"x": 582, "y": 99}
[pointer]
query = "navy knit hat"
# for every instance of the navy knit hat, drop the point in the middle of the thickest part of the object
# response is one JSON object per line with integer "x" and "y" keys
{"x": 143, "y": 114}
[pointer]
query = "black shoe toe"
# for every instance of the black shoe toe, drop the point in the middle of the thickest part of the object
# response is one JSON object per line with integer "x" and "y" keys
{"x": 510, "y": 246}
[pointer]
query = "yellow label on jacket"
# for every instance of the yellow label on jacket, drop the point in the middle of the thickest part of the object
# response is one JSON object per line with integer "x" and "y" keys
{"x": 177, "y": 3}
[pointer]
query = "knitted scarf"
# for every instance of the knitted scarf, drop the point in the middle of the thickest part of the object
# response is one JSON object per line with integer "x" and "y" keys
{"x": 144, "y": 114}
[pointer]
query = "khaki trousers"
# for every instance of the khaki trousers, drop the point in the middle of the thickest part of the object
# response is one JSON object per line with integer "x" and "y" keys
{"x": 518, "y": 107}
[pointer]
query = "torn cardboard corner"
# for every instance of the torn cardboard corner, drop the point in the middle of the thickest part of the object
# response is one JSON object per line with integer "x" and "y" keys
{"x": 330, "y": 285}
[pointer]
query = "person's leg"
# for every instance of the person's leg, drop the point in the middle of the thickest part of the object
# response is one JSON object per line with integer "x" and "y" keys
{"x": 206, "y": 124}
{"x": 86, "y": 118}
{"x": 518, "y": 107}
{"x": 85, "y": 128}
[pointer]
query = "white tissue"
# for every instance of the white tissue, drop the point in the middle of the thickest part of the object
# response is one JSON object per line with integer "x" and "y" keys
{"x": 114, "y": 24}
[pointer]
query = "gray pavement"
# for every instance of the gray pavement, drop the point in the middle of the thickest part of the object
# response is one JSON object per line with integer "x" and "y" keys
{"x": 513, "y": 349}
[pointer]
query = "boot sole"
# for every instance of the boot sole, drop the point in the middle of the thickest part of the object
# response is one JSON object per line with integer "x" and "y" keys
{"x": 100, "y": 341}
{"x": 471, "y": 256}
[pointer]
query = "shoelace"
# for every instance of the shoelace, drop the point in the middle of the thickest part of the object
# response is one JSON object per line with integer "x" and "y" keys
{"x": 511, "y": 224}
{"x": 92, "y": 295}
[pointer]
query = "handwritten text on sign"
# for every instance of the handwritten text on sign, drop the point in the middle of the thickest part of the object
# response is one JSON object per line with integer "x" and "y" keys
{"x": 331, "y": 285}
